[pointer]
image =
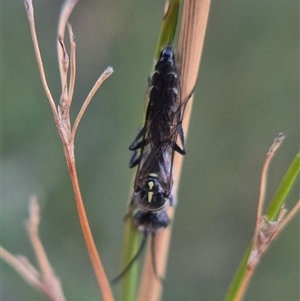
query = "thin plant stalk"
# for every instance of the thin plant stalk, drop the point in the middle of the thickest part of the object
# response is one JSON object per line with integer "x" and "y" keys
{"x": 131, "y": 235}
{"x": 263, "y": 186}
{"x": 130, "y": 248}
{"x": 43, "y": 279}
{"x": 284, "y": 188}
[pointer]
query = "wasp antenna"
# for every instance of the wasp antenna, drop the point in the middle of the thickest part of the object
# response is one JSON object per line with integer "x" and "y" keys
{"x": 135, "y": 257}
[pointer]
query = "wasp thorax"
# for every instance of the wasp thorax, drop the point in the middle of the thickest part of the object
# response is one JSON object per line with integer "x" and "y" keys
{"x": 151, "y": 222}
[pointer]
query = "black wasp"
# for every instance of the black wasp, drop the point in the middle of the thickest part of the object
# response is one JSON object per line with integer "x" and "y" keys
{"x": 156, "y": 143}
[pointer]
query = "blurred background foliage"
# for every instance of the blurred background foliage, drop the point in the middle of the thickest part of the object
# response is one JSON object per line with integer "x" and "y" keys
{"x": 247, "y": 92}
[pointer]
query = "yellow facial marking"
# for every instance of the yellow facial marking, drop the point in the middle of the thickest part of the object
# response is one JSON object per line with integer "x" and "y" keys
{"x": 150, "y": 193}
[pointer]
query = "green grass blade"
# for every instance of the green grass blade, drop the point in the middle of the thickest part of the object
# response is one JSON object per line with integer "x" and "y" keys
{"x": 131, "y": 235}
{"x": 283, "y": 189}
{"x": 168, "y": 26}
{"x": 130, "y": 248}
{"x": 238, "y": 277}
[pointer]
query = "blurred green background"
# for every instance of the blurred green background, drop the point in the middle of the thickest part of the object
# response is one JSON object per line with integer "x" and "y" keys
{"x": 247, "y": 92}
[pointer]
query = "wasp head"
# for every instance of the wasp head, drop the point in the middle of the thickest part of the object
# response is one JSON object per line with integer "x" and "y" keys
{"x": 150, "y": 196}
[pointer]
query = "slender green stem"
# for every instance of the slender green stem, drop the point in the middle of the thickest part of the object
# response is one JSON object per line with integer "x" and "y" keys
{"x": 283, "y": 189}
{"x": 131, "y": 236}
{"x": 130, "y": 248}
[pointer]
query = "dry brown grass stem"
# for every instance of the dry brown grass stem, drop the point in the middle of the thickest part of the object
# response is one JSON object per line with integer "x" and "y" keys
{"x": 44, "y": 280}
{"x": 72, "y": 63}
{"x": 65, "y": 13}
{"x": 63, "y": 124}
{"x": 30, "y": 15}
{"x": 193, "y": 27}
{"x": 91, "y": 94}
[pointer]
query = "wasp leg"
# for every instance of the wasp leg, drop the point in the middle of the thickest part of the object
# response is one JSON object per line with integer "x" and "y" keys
{"x": 181, "y": 136}
{"x": 131, "y": 262}
{"x": 175, "y": 146}
{"x": 135, "y": 159}
{"x": 179, "y": 150}
{"x": 136, "y": 144}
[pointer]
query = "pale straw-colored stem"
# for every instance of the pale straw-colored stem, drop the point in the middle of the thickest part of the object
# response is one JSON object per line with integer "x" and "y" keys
{"x": 52, "y": 285}
{"x": 44, "y": 280}
{"x": 72, "y": 64}
{"x": 65, "y": 13}
{"x": 193, "y": 27}
{"x": 98, "y": 83}
{"x": 30, "y": 15}
{"x": 21, "y": 268}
